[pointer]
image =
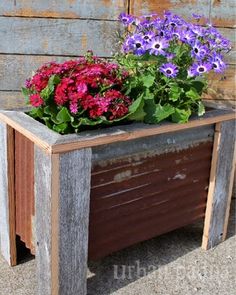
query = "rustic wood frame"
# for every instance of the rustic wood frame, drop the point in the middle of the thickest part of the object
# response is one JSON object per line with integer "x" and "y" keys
{"x": 53, "y": 152}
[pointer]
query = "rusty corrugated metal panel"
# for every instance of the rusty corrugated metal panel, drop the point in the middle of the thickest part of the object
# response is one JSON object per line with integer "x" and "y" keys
{"x": 139, "y": 197}
{"x": 24, "y": 189}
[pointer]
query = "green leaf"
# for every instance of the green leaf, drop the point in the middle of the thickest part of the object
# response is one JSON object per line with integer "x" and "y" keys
{"x": 45, "y": 93}
{"x": 198, "y": 85}
{"x": 48, "y": 90}
{"x": 54, "y": 80}
{"x": 163, "y": 112}
{"x": 193, "y": 94}
{"x": 36, "y": 113}
{"x": 61, "y": 128}
{"x": 150, "y": 109}
{"x": 181, "y": 115}
{"x": 201, "y": 109}
{"x": 26, "y": 93}
{"x": 148, "y": 95}
{"x": 136, "y": 111}
{"x": 148, "y": 80}
{"x": 89, "y": 122}
{"x": 64, "y": 115}
{"x": 175, "y": 92}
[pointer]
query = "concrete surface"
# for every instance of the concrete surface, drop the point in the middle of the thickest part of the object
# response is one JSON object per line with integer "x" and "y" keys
{"x": 170, "y": 264}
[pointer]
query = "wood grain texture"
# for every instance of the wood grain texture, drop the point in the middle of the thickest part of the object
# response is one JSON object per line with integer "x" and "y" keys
{"x": 4, "y": 202}
{"x": 43, "y": 193}
{"x": 56, "y": 36}
{"x": 105, "y": 9}
{"x": 222, "y": 87}
{"x": 220, "y": 188}
{"x": 10, "y": 100}
{"x": 74, "y": 201}
{"x": 136, "y": 130}
{"x": 19, "y": 68}
{"x": 30, "y": 128}
{"x": 230, "y": 34}
{"x": 223, "y": 13}
{"x": 184, "y": 8}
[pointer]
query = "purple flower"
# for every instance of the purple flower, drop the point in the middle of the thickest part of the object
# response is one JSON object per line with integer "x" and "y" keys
{"x": 217, "y": 63}
{"x": 199, "y": 69}
{"x": 137, "y": 44}
{"x": 157, "y": 46}
{"x": 126, "y": 19}
{"x": 148, "y": 36}
{"x": 169, "y": 70}
{"x": 188, "y": 37}
{"x": 199, "y": 50}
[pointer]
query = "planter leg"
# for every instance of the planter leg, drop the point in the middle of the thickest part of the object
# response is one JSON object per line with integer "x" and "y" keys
{"x": 221, "y": 185}
{"x": 62, "y": 196}
{"x": 7, "y": 195}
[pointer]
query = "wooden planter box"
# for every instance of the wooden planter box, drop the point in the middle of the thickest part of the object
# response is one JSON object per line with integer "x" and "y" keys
{"x": 77, "y": 197}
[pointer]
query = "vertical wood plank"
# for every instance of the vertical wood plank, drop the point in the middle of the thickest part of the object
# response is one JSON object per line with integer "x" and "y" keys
{"x": 7, "y": 196}
{"x": 220, "y": 187}
{"x": 62, "y": 192}
{"x": 74, "y": 201}
{"x": 43, "y": 192}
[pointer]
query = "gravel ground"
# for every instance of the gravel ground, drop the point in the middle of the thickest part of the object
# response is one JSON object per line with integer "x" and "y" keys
{"x": 170, "y": 264}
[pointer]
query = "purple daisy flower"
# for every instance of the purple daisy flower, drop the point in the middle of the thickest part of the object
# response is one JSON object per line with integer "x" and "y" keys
{"x": 137, "y": 44}
{"x": 157, "y": 46}
{"x": 169, "y": 70}
{"x": 147, "y": 37}
{"x": 199, "y": 50}
{"x": 217, "y": 63}
{"x": 199, "y": 69}
{"x": 126, "y": 19}
{"x": 188, "y": 37}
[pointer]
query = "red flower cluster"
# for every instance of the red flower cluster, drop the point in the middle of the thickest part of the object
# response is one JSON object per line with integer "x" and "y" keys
{"x": 87, "y": 84}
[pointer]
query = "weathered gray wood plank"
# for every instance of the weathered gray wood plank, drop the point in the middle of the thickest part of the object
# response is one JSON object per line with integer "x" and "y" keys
{"x": 184, "y": 8}
{"x": 223, "y": 13}
{"x": 37, "y": 132}
{"x": 20, "y": 68}
{"x": 43, "y": 187}
{"x": 11, "y": 100}
{"x": 74, "y": 201}
{"x": 62, "y": 194}
{"x": 4, "y": 201}
{"x": 56, "y": 36}
{"x": 66, "y": 9}
{"x": 222, "y": 183}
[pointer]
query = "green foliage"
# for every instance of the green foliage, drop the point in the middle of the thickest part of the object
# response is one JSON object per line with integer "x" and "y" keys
{"x": 159, "y": 97}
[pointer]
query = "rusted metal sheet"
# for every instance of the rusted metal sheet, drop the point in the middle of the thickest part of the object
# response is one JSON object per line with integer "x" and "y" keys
{"x": 139, "y": 197}
{"x": 24, "y": 189}
{"x": 139, "y": 189}
{"x": 48, "y": 36}
{"x": 105, "y": 9}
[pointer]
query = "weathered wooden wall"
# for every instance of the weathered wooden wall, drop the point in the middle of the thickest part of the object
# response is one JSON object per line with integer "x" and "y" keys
{"x": 33, "y": 32}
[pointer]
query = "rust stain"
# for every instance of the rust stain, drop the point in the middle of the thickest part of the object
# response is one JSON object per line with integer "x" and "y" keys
{"x": 45, "y": 44}
{"x": 27, "y": 12}
{"x": 24, "y": 189}
{"x": 138, "y": 197}
{"x": 84, "y": 41}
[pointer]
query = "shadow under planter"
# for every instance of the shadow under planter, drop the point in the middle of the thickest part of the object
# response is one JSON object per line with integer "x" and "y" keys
{"x": 71, "y": 198}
